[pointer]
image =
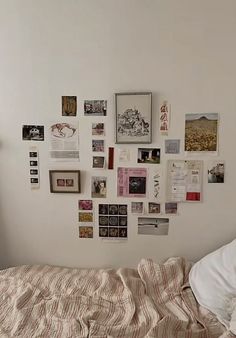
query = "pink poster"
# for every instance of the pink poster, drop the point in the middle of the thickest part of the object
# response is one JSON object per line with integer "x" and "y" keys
{"x": 131, "y": 182}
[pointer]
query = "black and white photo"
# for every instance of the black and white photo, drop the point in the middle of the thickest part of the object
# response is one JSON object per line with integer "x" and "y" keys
{"x": 32, "y": 133}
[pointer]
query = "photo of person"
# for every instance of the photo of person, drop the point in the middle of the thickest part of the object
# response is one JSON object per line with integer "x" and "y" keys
{"x": 99, "y": 187}
{"x": 61, "y": 182}
{"x": 137, "y": 185}
{"x": 69, "y": 182}
{"x": 32, "y": 133}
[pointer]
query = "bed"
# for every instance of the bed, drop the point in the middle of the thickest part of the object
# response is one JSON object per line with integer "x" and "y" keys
{"x": 154, "y": 300}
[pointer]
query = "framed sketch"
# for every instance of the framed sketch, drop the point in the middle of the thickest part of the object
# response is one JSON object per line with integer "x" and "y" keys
{"x": 64, "y": 181}
{"x": 133, "y": 117}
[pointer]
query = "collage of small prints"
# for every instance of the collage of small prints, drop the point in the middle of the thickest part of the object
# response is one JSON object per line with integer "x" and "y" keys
{"x": 133, "y": 125}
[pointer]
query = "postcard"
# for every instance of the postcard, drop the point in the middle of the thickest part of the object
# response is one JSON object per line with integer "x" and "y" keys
{"x": 85, "y": 232}
{"x": 149, "y": 155}
{"x": 85, "y": 217}
{"x": 172, "y": 146}
{"x": 216, "y": 171}
{"x": 85, "y": 205}
{"x": 201, "y": 132}
{"x": 153, "y": 226}
{"x": 32, "y": 133}
{"x": 124, "y": 155}
{"x": 95, "y": 107}
{"x": 69, "y": 105}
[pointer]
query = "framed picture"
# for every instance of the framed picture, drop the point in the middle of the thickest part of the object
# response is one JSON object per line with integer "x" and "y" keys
{"x": 133, "y": 117}
{"x": 64, "y": 181}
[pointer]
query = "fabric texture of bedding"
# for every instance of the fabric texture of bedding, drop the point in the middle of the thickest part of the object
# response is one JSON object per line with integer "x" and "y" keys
{"x": 154, "y": 300}
{"x": 213, "y": 282}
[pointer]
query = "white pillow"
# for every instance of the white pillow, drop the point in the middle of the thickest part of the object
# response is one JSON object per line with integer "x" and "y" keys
{"x": 213, "y": 281}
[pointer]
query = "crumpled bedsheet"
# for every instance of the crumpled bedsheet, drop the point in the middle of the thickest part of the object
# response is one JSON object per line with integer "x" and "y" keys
{"x": 154, "y": 300}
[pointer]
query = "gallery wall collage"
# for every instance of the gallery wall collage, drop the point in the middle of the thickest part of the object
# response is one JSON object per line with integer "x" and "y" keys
{"x": 142, "y": 186}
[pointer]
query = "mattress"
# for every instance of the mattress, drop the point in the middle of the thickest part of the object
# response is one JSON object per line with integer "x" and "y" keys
{"x": 154, "y": 300}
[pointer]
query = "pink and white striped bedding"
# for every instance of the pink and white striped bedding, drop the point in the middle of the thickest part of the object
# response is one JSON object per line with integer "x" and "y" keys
{"x": 153, "y": 301}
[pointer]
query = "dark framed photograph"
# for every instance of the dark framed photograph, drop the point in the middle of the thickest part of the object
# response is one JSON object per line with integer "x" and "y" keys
{"x": 64, "y": 181}
{"x": 133, "y": 117}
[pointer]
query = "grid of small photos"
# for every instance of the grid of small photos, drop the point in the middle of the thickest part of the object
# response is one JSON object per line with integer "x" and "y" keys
{"x": 113, "y": 221}
{"x": 85, "y": 218}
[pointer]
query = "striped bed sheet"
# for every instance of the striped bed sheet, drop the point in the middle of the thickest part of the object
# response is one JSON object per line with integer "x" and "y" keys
{"x": 154, "y": 300}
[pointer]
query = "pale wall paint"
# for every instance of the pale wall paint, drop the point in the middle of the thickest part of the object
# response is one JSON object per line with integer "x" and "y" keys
{"x": 183, "y": 51}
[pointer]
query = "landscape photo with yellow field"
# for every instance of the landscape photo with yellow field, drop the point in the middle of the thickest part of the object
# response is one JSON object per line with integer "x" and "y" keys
{"x": 201, "y": 132}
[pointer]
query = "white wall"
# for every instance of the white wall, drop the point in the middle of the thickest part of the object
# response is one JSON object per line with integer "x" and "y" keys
{"x": 183, "y": 51}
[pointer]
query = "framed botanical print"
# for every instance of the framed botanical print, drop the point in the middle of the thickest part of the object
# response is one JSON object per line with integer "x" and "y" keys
{"x": 133, "y": 117}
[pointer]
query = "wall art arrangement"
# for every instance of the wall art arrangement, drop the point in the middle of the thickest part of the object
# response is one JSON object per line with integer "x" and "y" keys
{"x": 139, "y": 169}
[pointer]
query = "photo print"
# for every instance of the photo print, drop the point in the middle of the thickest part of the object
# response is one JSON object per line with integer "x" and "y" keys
{"x": 85, "y": 205}
{"x": 131, "y": 182}
{"x": 113, "y": 221}
{"x": 98, "y": 145}
{"x": 171, "y": 208}
{"x": 154, "y": 208}
{"x": 201, "y": 132}
{"x": 137, "y": 207}
{"x": 149, "y": 155}
{"x": 32, "y": 133}
{"x": 95, "y": 107}
{"x": 133, "y": 117}
{"x": 153, "y": 226}
{"x": 85, "y": 217}
{"x": 216, "y": 171}
{"x": 98, "y": 162}
{"x": 69, "y": 105}
{"x": 85, "y": 232}
{"x": 99, "y": 187}
{"x": 98, "y": 129}
{"x": 172, "y": 146}
{"x": 124, "y": 155}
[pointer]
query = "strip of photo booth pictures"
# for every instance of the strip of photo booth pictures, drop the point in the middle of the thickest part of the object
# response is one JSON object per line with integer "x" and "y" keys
{"x": 85, "y": 216}
{"x": 34, "y": 168}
